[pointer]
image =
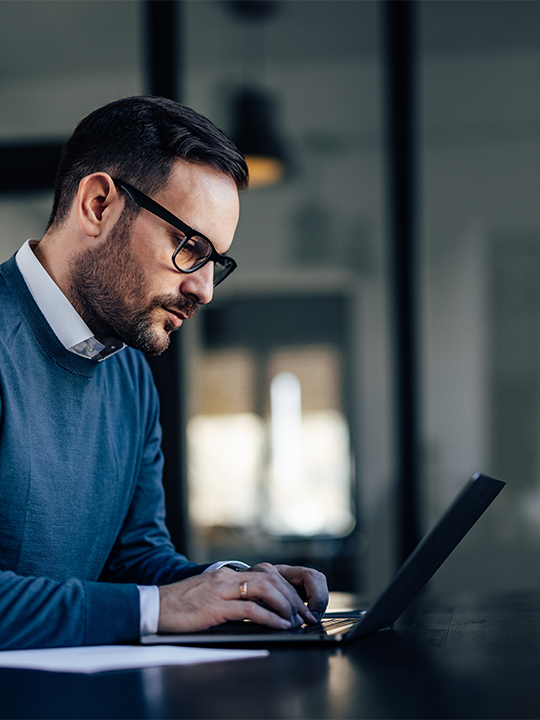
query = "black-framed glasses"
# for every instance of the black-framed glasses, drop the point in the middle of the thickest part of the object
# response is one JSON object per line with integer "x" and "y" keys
{"x": 194, "y": 249}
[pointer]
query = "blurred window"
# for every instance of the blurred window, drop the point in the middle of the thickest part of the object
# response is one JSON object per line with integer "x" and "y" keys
{"x": 269, "y": 438}
{"x": 287, "y": 471}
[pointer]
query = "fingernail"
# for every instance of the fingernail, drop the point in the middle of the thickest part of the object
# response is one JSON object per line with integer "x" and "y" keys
{"x": 285, "y": 624}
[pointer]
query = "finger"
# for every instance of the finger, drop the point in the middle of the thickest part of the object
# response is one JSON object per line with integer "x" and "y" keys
{"x": 289, "y": 588}
{"x": 283, "y": 581}
{"x": 249, "y": 610}
{"x": 304, "y": 614}
{"x": 273, "y": 592}
{"x": 297, "y": 601}
{"x": 311, "y": 585}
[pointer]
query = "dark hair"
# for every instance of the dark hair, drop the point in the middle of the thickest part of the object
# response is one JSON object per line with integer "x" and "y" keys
{"x": 137, "y": 140}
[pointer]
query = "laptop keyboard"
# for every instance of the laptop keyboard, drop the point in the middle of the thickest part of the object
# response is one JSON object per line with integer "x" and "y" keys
{"x": 332, "y": 626}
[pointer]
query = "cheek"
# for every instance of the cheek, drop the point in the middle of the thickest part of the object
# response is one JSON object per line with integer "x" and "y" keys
{"x": 150, "y": 268}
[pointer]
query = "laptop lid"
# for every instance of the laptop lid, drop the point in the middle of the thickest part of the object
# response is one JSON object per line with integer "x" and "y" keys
{"x": 430, "y": 553}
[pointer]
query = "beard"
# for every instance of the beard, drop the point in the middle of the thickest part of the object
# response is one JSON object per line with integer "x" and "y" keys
{"x": 110, "y": 292}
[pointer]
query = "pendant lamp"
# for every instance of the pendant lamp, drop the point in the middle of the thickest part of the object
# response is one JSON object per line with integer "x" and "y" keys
{"x": 256, "y": 135}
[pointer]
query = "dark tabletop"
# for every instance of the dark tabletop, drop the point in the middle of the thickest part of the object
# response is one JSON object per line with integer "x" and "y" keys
{"x": 447, "y": 657}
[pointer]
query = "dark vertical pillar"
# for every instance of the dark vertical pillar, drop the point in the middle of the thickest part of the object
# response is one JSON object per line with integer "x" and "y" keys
{"x": 399, "y": 19}
{"x": 162, "y": 58}
{"x": 163, "y": 47}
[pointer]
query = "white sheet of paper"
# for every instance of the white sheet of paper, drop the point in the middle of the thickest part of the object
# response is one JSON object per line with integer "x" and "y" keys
{"x": 103, "y": 658}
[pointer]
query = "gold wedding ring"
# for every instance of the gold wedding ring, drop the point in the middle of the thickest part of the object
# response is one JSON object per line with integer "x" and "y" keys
{"x": 243, "y": 590}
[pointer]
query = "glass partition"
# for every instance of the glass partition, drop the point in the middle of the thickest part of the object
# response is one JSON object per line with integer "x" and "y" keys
{"x": 61, "y": 60}
{"x": 302, "y": 421}
{"x": 481, "y": 270}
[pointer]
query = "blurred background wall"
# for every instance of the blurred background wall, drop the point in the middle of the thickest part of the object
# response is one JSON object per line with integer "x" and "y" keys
{"x": 301, "y": 337}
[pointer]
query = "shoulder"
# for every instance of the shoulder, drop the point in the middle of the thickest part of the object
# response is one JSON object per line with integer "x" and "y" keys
{"x": 14, "y": 301}
{"x": 9, "y": 278}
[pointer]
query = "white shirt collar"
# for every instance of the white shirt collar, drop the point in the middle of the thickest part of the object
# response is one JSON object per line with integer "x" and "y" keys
{"x": 65, "y": 321}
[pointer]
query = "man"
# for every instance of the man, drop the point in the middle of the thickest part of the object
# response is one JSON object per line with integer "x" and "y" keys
{"x": 85, "y": 557}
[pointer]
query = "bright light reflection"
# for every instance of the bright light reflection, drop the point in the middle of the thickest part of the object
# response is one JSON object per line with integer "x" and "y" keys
{"x": 226, "y": 454}
{"x": 306, "y": 475}
{"x": 286, "y": 423}
{"x": 309, "y": 486}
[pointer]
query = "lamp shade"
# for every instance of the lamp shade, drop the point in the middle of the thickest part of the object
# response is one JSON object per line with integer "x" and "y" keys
{"x": 256, "y": 136}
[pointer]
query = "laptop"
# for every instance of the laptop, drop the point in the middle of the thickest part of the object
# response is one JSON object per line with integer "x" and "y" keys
{"x": 339, "y": 627}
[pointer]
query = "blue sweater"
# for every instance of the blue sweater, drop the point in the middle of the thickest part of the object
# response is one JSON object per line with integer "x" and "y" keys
{"x": 82, "y": 518}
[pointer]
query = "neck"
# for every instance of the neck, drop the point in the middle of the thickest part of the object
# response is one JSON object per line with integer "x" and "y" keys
{"x": 55, "y": 252}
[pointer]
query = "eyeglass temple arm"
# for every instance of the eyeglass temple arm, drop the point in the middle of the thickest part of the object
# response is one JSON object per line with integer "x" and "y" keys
{"x": 154, "y": 207}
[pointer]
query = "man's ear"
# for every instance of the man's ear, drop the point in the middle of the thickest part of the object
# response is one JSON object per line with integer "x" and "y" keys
{"x": 98, "y": 204}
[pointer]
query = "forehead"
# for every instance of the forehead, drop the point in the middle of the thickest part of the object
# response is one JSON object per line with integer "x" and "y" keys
{"x": 203, "y": 197}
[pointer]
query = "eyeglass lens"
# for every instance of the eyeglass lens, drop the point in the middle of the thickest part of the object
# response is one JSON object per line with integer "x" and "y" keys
{"x": 195, "y": 252}
{"x": 221, "y": 270}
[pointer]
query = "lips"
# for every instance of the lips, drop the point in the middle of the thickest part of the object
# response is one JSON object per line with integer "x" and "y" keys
{"x": 176, "y": 317}
{"x": 178, "y": 308}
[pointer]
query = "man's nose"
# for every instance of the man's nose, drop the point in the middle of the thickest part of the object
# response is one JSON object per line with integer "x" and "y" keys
{"x": 199, "y": 285}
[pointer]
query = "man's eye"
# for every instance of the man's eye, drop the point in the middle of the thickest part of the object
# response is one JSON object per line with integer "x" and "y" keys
{"x": 177, "y": 238}
{"x": 196, "y": 246}
{"x": 191, "y": 244}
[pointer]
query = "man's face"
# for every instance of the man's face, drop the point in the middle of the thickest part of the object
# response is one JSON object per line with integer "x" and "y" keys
{"x": 127, "y": 286}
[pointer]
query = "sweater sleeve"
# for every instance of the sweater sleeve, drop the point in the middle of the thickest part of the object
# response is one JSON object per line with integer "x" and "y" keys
{"x": 39, "y": 612}
{"x": 143, "y": 552}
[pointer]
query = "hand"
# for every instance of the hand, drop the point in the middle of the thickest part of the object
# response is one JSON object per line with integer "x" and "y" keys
{"x": 209, "y": 599}
{"x": 310, "y": 584}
